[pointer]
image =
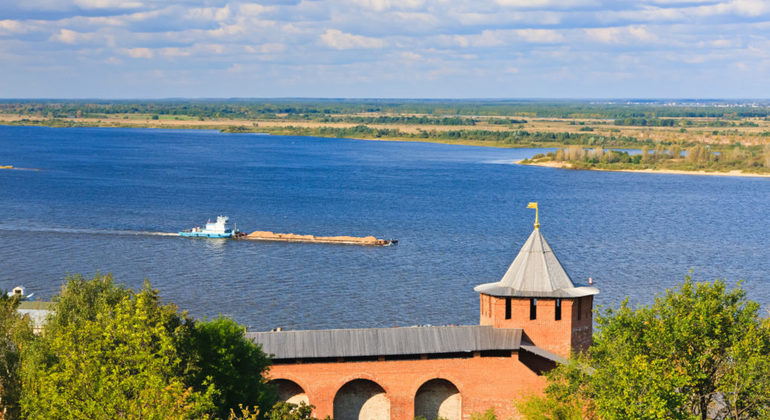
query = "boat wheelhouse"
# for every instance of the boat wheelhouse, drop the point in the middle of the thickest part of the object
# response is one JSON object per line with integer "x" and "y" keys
{"x": 218, "y": 229}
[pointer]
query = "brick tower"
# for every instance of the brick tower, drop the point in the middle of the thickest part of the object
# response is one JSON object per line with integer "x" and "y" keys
{"x": 537, "y": 295}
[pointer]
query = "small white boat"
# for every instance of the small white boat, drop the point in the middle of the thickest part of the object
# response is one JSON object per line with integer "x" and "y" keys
{"x": 19, "y": 292}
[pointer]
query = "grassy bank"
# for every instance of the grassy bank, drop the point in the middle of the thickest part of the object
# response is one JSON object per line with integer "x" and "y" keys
{"x": 698, "y": 159}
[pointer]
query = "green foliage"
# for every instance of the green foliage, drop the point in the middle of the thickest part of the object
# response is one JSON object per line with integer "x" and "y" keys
{"x": 547, "y": 408}
{"x": 288, "y": 411}
{"x": 15, "y": 333}
{"x": 753, "y": 159}
{"x": 487, "y": 415}
{"x": 700, "y": 351}
{"x": 244, "y": 413}
{"x": 230, "y": 362}
{"x": 109, "y": 352}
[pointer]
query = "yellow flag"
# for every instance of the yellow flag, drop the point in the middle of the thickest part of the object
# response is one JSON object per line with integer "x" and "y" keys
{"x": 532, "y": 205}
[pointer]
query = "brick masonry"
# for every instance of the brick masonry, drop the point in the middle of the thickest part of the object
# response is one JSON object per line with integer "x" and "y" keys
{"x": 482, "y": 382}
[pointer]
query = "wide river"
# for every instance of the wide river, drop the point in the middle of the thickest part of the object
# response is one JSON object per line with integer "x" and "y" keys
{"x": 459, "y": 214}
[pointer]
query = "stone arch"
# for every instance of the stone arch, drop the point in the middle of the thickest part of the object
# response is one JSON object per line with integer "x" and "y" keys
{"x": 290, "y": 391}
{"x": 361, "y": 399}
{"x": 438, "y": 398}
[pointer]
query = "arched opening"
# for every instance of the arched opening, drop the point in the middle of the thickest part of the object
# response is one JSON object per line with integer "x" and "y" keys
{"x": 438, "y": 398}
{"x": 290, "y": 391}
{"x": 361, "y": 399}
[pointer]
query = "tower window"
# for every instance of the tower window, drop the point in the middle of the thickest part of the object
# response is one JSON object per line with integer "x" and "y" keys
{"x": 507, "y": 308}
{"x": 580, "y": 308}
{"x": 533, "y": 308}
{"x": 558, "y": 309}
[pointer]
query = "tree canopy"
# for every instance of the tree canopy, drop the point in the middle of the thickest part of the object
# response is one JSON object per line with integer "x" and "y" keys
{"x": 700, "y": 351}
{"x": 108, "y": 352}
{"x": 14, "y": 331}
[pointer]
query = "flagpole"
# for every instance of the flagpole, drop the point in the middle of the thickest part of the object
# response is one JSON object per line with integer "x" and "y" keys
{"x": 533, "y": 205}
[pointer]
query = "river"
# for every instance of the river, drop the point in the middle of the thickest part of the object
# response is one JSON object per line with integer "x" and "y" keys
{"x": 459, "y": 213}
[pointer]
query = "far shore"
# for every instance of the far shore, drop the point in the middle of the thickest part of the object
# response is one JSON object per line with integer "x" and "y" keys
{"x": 283, "y": 128}
{"x": 564, "y": 165}
{"x": 276, "y": 128}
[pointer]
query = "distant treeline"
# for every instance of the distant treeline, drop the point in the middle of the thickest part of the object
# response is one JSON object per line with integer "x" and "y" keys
{"x": 318, "y": 108}
{"x": 510, "y": 137}
{"x": 420, "y": 120}
{"x": 668, "y": 122}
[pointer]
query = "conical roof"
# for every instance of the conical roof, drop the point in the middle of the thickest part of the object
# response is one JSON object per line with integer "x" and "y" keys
{"x": 535, "y": 272}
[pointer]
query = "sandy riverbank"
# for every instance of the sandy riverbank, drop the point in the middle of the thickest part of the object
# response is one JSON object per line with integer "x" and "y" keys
{"x": 564, "y": 165}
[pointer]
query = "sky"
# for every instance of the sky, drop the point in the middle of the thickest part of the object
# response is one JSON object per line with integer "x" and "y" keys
{"x": 385, "y": 49}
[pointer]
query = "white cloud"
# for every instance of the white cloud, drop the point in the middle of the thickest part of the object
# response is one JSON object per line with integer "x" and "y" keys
{"x": 434, "y": 39}
{"x": 382, "y": 5}
{"x": 108, "y": 4}
{"x": 252, "y": 9}
{"x": 344, "y": 41}
{"x": 411, "y": 56}
{"x": 212, "y": 14}
{"x": 721, "y": 43}
{"x": 268, "y": 48}
{"x": 138, "y": 52}
{"x": 172, "y": 52}
{"x": 622, "y": 35}
{"x": 484, "y": 39}
{"x": 69, "y": 37}
{"x": 540, "y": 35}
{"x": 749, "y": 8}
{"x": 540, "y": 4}
{"x": 8, "y": 26}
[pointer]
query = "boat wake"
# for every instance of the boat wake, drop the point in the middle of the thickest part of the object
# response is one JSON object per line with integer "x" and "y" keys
{"x": 47, "y": 229}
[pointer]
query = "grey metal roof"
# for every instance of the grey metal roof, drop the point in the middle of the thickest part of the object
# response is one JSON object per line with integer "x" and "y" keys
{"x": 536, "y": 272}
{"x": 544, "y": 353}
{"x": 385, "y": 341}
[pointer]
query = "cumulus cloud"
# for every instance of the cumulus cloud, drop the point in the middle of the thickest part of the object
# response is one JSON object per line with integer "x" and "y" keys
{"x": 542, "y": 4}
{"x": 138, "y": 52}
{"x": 70, "y": 37}
{"x": 622, "y": 35}
{"x": 439, "y": 41}
{"x": 381, "y": 5}
{"x": 540, "y": 35}
{"x": 9, "y": 27}
{"x": 344, "y": 41}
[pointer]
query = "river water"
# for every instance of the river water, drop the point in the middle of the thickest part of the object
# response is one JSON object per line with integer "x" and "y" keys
{"x": 459, "y": 213}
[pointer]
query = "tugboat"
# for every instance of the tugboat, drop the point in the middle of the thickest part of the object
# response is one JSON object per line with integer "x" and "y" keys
{"x": 218, "y": 229}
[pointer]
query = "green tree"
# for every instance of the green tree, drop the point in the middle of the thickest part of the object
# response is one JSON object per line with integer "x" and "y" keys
{"x": 230, "y": 362}
{"x": 645, "y": 154}
{"x": 700, "y": 351}
{"x": 767, "y": 156}
{"x": 547, "y": 408}
{"x": 108, "y": 353}
{"x": 15, "y": 333}
{"x": 288, "y": 411}
{"x": 675, "y": 151}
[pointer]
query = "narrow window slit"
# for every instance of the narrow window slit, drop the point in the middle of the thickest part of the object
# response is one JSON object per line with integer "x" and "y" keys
{"x": 533, "y": 308}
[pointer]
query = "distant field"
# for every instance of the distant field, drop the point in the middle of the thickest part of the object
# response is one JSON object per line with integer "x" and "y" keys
{"x": 492, "y": 123}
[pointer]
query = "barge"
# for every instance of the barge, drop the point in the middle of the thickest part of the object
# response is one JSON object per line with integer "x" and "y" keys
{"x": 343, "y": 240}
{"x": 221, "y": 229}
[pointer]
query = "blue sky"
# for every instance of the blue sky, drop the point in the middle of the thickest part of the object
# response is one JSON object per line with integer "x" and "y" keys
{"x": 385, "y": 48}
